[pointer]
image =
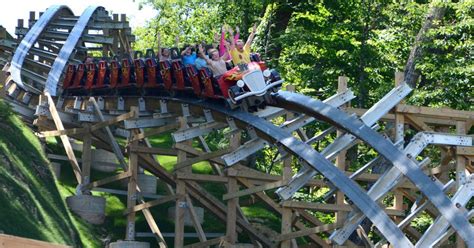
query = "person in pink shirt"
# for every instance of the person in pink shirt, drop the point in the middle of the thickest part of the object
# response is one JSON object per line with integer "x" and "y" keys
{"x": 223, "y": 42}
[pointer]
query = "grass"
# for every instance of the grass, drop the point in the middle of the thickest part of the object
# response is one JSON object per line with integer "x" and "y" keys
{"x": 32, "y": 205}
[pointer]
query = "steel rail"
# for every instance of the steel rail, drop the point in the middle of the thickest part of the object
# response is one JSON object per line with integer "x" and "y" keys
{"x": 67, "y": 49}
{"x": 306, "y": 153}
{"x": 434, "y": 192}
{"x": 28, "y": 42}
{"x": 346, "y": 141}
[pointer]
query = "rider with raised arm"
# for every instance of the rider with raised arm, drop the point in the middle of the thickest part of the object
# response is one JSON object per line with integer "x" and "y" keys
{"x": 239, "y": 51}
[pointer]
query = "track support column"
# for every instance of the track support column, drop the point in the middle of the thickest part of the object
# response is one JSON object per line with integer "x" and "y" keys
{"x": 181, "y": 205}
{"x": 341, "y": 157}
{"x": 132, "y": 186}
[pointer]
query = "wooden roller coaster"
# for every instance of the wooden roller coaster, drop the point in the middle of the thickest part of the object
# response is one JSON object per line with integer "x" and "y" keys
{"x": 390, "y": 191}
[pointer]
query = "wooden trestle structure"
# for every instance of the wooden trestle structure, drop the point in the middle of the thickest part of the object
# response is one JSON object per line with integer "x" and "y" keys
{"x": 97, "y": 122}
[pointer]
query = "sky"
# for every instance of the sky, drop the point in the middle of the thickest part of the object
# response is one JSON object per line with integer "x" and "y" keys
{"x": 20, "y": 9}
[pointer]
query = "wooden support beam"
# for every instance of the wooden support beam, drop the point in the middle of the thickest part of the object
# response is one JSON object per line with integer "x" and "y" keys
{"x": 181, "y": 192}
{"x": 323, "y": 207}
{"x": 231, "y": 233}
{"x": 201, "y": 177}
{"x": 440, "y": 113}
{"x": 200, "y": 158}
{"x": 460, "y": 173}
{"x": 154, "y": 131}
{"x": 307, "y": 231}
{"x": 150, "y": 204}
{"x": 191, "y": 150}
{"x": 107, "y": 180}
{"x": 286, "y": 213}
{"x": 417, "y": 123}
{"x": 72, "y": 131}
{"x": 216, "y": 241}
{"x": 64, "y": 139}
{"x": 132, "y": 186}
{"x": 278, "y": 209}
{"x": 254, "y": 190}
{"x": 86, "y": 156}
{"x": 9, "y": 241}
{"x": 115, "y": 146}
{"x": 111, "y": 121}
{"x": 195, "y": 219}
{"x": 152, "y": 150}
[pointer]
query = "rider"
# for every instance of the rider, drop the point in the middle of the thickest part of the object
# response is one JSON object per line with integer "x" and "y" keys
{"x": 239, "y": 51}
{"x": 214, "y": 62}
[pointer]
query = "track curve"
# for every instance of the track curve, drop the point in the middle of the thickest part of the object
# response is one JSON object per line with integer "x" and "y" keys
{"x": 457, "y": 219}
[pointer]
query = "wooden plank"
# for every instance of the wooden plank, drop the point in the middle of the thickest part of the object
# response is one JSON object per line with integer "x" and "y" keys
{"x": 150, "y": 204}
{"x": 440, "y": 113}
{"x": 72, "y": 131}
{"x": 465, "y": 151}
{"x": 155, "y": 131}
{"x": 115, "y": 146}
{"x": 152, "y": 150}
{"x": 86, "y": 157}
{"x": 181, "y": 192}
{"x": 111, "y": 121}
{"x": 253, "y": 190}
{"x": 418, "y": 123}
{"x": 341, "y": 156}
{"x": 191, "y": 150}
{"x": 217, "y": 241}
{"x": 307, "y": 231}
{"x": 132, "y": 186}
{"x": 198, "y": 159}
{"x": 9, "y": 241}
{"x": 287, "y": 213}
{"x": 107, "y": 180}
{"x": 195, "y": 219}
{"x": 278, "y": 209}
{"x": 64, "y": 139}
{"x": 201, "y": 177}
{"x": 323, "y": 207}
{"x": 460, "y": 173}
{"x": 231, "y": 233}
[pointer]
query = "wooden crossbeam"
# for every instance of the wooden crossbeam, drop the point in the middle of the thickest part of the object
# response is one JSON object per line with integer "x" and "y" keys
{"x": 191, "y": 150}
{"x": 154, "y": 131}
{"x": 216, "y": 241}
{"x": 111, "y": 121}
{"x": 115, "y": 147}
{"x": 72, "y": 131}
{"x": 332, "y": 207}
{"x": 307, "y": 231}
{"x": 278, "y": 209}
{"x": 64, "y": 139}
{"x": 150, "y": 204}
{"x": 152, "y": 150}
{"x": 441, "y": 113}
{"x": 107, "y": 180}
{"x": 206, "y": 156}
{"x": 78, "y": 131}
{"x": 19, "y": 242}
{"x": 195, "y": 219}
{"x": 255, "y": 189}
{"x": 201, "y": 177}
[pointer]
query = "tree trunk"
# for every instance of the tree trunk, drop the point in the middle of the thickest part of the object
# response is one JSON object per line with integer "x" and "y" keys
{"x": 411, "y": 76}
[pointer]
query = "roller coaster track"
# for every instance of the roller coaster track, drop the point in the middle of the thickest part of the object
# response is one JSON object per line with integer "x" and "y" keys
{"x": 29, "y": 41}
{"x": 206, "y": 116}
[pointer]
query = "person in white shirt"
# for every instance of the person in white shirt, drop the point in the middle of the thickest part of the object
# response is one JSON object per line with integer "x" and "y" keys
{"x": 214, "y": 62}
